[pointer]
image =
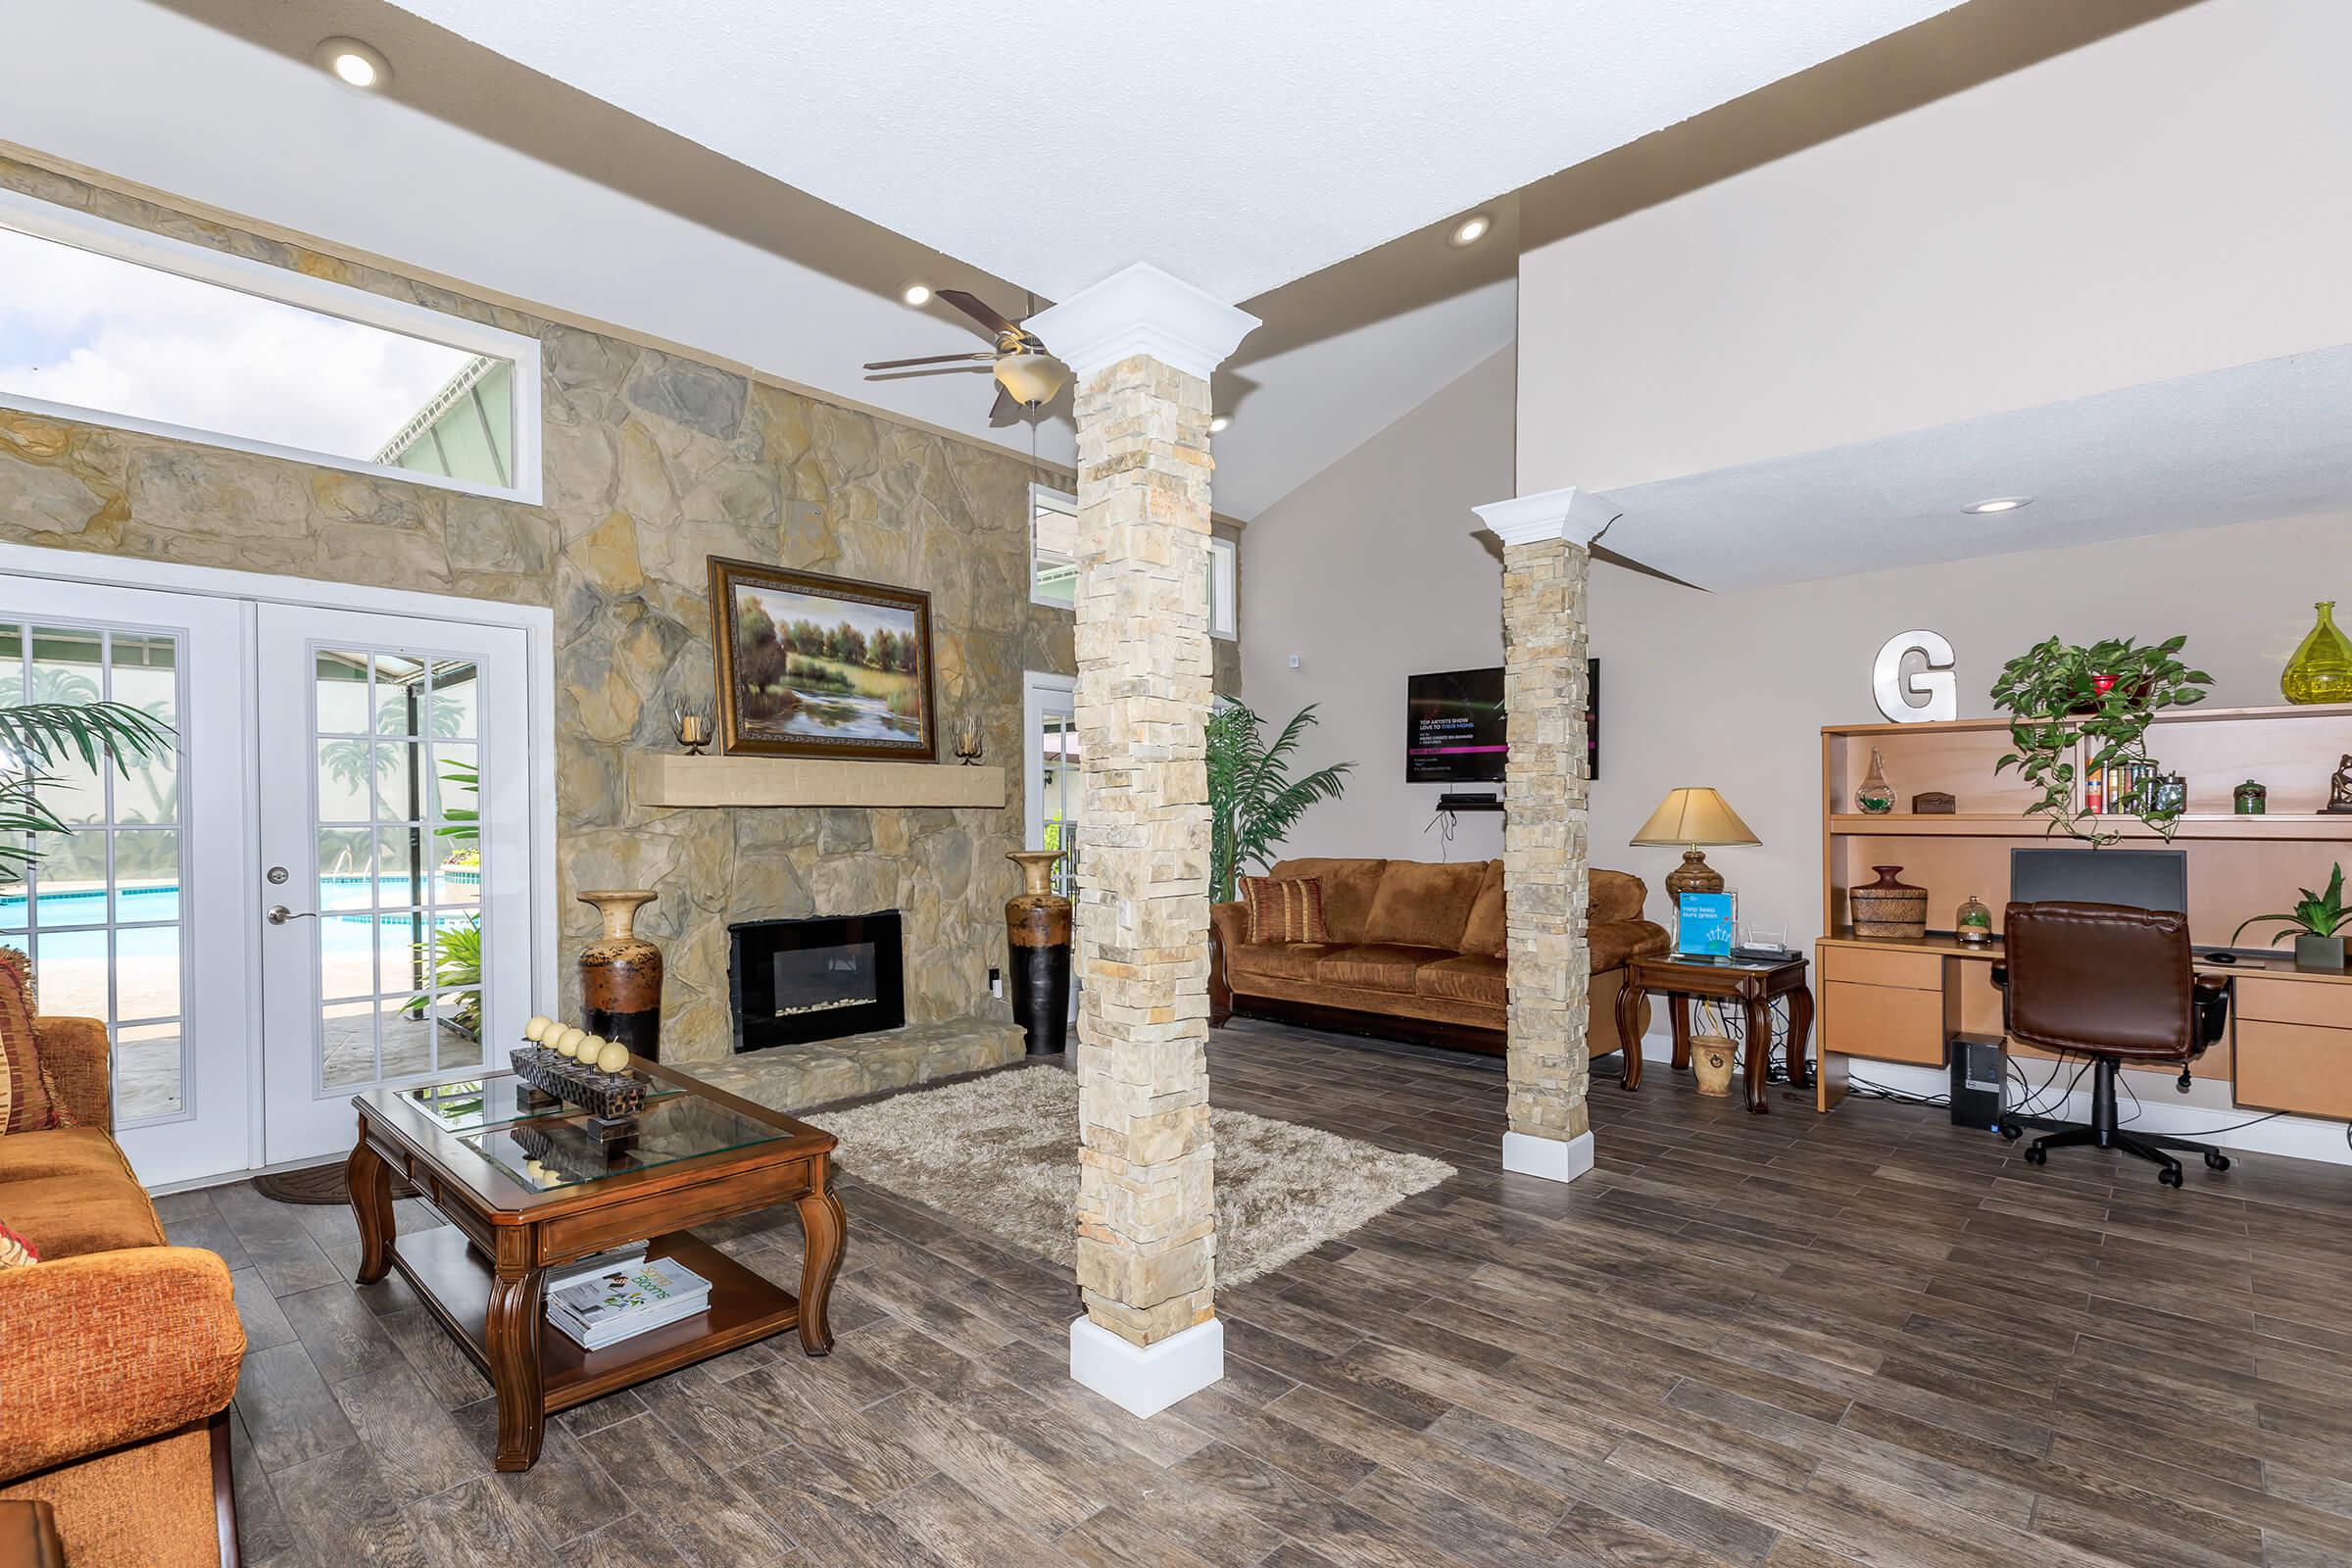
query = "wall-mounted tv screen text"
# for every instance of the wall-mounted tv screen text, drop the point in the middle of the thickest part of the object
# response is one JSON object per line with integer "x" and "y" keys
{"x": 1456, "y": 732}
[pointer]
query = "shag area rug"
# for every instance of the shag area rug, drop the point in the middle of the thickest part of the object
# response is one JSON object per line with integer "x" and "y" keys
{"x": 1001, "y": 1154}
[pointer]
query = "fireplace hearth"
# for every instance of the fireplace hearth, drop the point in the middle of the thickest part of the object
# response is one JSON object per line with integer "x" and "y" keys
{"x": 794, "y": 981}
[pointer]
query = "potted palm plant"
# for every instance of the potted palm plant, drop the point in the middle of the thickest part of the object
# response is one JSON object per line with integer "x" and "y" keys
{"x": 2317, "y": 922}
{"x": 1252, "y": 800}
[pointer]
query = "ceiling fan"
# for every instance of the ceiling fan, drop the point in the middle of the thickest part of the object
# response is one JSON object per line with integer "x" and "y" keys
{"x": 1026, "y": 376}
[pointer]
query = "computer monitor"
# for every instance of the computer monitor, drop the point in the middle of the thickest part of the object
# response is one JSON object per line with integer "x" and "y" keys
{"x": 2145, "y": 879}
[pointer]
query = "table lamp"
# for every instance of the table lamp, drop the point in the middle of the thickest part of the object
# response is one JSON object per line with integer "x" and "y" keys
{"x": 1692, "y": 817}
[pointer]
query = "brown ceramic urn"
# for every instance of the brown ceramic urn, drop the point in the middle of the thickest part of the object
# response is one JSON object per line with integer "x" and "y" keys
{"x": 620, "y": 975}
{"x": 1036, "y": 929}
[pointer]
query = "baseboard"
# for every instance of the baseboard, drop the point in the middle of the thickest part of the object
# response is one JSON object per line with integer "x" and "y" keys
{"x": 1145, "y": 1380}
{"x": 1555, "y": 1159}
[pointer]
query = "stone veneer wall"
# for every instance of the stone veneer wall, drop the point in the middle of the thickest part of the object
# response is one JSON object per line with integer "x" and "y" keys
{"x": 654, "y": 462}
{"x": 1546, "y": 892}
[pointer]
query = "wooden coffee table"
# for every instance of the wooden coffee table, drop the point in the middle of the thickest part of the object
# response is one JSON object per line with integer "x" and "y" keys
{"x": 1752, "y": 984}
{"x": 696, "y": 1155}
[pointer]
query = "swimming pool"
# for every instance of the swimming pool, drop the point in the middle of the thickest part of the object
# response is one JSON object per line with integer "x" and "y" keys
{"x": 73, "y": 919}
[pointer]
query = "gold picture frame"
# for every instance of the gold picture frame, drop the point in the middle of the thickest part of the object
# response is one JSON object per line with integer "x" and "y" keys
{"x": 811, "y": 665}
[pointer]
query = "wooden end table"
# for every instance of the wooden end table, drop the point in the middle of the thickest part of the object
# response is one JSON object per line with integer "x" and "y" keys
{"x": 1750, "y": 983}
{"x": 526, "y": 1187}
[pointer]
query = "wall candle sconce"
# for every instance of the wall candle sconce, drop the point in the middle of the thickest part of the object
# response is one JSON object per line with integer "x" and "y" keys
{"x": 694, "y": 731}
{"x": 968, "y": 739}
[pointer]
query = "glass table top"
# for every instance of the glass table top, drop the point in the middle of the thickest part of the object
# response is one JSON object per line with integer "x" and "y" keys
{"x": 496, "y": 1102}
{"x": 549, "y": 1152}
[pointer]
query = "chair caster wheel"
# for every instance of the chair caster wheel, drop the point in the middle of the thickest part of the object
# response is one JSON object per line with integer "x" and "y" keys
{"x": 2011, "y": 1131}
{"x": 2035, "y": 1155}
{"x": 2170, "y": 1176}
{"x": 2216, "y": 1161}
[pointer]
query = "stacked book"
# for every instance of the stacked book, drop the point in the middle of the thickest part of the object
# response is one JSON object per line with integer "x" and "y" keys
{"x": 614, "y": 1296}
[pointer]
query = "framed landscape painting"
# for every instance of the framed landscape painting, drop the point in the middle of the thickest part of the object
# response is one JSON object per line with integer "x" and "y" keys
{"x": 810, "y": 666}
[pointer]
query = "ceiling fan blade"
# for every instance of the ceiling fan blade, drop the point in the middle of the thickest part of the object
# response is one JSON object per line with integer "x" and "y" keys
{"x": 1004, "y": 410}
{"x": 930, "y": 359}
{"x": 979, "y": 311}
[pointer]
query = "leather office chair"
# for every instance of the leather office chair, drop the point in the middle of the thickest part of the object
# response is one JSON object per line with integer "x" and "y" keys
{"x": 2115, "y": 984}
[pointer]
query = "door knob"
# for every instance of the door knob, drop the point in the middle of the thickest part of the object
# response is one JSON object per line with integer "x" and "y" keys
{"x": 279, "y": 914}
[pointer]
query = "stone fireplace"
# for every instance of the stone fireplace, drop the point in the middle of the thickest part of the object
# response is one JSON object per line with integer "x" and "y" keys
{"x": 797, "y": 981}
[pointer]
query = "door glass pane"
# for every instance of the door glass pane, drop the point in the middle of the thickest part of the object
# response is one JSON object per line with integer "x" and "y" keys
{"x": 346, "y": 768}
{"x": 402, "y": 884}
{"x": 99, "y": 910}
{"x": 148, "y": 1069}
{"x": 341, "y": 693}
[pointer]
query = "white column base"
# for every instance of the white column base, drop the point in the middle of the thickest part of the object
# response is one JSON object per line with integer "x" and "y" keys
{"x": 1555, "y": 1159}
{"x": 1145, "y": 1380}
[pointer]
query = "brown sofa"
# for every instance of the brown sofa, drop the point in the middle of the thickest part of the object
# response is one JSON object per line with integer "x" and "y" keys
{"x": 118, "y": 1352}
{"x": 1415, "y": 954}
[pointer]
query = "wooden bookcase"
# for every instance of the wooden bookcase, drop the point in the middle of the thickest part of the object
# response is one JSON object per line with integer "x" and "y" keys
{"x": 2291, "y": 1042}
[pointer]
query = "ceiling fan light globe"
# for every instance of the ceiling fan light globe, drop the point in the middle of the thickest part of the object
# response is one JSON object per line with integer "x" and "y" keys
{"x": 1032, "y": 378}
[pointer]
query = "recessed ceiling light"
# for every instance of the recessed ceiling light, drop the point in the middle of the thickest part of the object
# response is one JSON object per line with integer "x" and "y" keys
{"x": 1470, "y": 230}
{"x": 1999, "y": 504}
{"x": 916, "y": 294}
{"x": 354, "y": 64}
{"x": 1219, "y": 421}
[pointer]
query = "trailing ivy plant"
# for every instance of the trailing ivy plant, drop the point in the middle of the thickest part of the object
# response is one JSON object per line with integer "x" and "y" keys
{"x": 1252, "y": 800}
{"x": 2104, "y": 696}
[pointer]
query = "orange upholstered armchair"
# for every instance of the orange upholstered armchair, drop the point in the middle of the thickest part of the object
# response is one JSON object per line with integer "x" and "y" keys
{"x": 118, "y": 1353}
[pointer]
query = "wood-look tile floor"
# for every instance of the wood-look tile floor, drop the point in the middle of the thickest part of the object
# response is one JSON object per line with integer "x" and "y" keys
{"x": 1793, "y": 1341}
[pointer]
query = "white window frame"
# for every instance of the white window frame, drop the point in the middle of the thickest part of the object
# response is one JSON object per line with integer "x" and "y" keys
{"x": 105, "y": 238}
{"x": 1224, "y": 614}
{"x": 1045, "y": 495}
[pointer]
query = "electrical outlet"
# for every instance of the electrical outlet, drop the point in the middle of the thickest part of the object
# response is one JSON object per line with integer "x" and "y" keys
{"x": 995, "y": 983}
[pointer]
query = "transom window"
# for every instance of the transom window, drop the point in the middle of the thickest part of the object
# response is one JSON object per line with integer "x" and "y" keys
{"x": 1053, "y": 561}
{"x": 109, "y": 324}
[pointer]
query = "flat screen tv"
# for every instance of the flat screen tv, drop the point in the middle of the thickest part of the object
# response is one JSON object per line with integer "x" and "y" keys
{"x": 1454, "y": 728}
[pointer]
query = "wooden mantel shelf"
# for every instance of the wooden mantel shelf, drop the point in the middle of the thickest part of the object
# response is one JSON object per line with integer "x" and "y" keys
{"x": 670, "y": 779}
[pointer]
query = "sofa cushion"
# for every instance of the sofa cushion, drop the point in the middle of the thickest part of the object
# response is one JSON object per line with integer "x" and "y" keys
{"x": 1283, "y": 960}
{"x": 66, "y": 1217}
{"x": 1616, "y": 896}
{"x": 1348, "y": 887}
{"x": 14, "y": 1250}
{"x": 25, "y": 1102}
{"x": 1287, "y": 908}
{"x": 64, "y": 1151}
{"x": 1424, "y": 904}
{"x": 1613, "y": 942}
{"x": 1483, "y": 931}
{"x": 1376, "y": 966}
{"x": 1472, "y": 977}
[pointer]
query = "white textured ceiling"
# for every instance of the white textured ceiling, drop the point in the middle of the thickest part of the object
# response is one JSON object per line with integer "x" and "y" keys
{"x": 2273, "y": 439}
{"x": 1237, "y": 143}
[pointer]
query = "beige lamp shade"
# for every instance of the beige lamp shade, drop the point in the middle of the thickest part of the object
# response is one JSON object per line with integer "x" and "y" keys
{"x": 1695, "y": 816}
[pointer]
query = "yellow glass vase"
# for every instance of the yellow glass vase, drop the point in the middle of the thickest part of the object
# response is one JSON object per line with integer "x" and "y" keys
{"x": 2322, "y": 669}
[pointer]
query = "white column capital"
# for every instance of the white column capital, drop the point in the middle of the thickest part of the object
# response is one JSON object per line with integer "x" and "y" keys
{"x": 1574, "y": 515}
{"x": 1142, "y": 310}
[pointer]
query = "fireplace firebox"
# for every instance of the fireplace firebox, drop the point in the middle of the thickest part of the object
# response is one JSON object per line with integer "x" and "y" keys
{"x": 794, "y": 981}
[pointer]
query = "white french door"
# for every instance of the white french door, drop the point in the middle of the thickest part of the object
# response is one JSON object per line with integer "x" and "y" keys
{"x": 1049, "y": 782}
{"x": 395, "y": 864}
{"x": 134, "y": 917}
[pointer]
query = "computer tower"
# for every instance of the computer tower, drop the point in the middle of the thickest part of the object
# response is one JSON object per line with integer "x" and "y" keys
{"x": 1980, "y": 1071}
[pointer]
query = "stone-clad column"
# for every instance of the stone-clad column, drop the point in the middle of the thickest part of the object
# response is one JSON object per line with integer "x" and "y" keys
{"x": 1142, "y": 345}
{"x": 1545, "y": 862}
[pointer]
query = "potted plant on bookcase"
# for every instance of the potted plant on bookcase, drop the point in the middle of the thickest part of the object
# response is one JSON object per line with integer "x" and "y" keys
{"x": 2102, "y": 697}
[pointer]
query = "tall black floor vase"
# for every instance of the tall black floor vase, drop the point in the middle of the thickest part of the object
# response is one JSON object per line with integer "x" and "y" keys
{"x": 1036, "y": 929}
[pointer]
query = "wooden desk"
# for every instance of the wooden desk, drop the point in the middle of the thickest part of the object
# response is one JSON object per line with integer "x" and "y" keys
{"x": 1901, "y": 1000}
{"x": 1751, "y": 985}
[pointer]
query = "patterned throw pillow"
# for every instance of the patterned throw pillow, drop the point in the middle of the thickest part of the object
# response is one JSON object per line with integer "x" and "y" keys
{"x": 1285, "y": 908}
{"x": 14, "y": 1250}
{"x": 25, "y": 1102}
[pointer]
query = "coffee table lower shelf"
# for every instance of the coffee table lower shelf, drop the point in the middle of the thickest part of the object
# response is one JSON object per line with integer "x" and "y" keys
{"x": 454, "y": 1278}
